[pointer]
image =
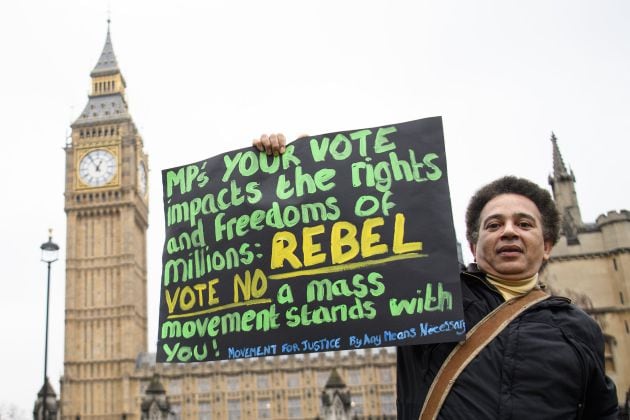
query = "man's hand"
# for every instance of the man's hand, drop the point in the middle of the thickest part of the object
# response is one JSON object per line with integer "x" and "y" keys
{"x": 271, "y": 144}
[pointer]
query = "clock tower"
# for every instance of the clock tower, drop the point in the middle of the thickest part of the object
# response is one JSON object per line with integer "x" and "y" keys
{"x": 106, "y": 205}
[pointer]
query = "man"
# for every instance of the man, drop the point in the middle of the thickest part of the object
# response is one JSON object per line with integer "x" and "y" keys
{"x": 546, "y": 364}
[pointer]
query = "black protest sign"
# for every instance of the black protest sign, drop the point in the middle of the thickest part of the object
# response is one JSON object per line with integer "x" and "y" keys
{"x": 345, "y": 241}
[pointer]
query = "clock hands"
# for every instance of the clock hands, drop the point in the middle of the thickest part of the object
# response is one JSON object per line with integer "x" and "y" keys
{"x": 92, "y": 159}
{"x": 97, "y": 166}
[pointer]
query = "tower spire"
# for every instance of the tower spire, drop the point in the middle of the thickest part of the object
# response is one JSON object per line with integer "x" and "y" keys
{"x": 107, "y": 63}
{"x": 559, "y": 169}
{"x": 563, "y": 186}
{"x": 107, "y": 99}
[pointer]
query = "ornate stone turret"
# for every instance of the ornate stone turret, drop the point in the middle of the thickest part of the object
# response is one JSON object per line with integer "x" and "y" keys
{"x": 615, "y": 228}
{"x": 155, "y": 404}
{"x": 563, "y": 185}
{"x": 336, "y": 402}
{"x": 52, "y": 405}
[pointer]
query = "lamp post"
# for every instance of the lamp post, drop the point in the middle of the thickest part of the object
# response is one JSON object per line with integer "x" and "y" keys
{"x": 50, "y": 251}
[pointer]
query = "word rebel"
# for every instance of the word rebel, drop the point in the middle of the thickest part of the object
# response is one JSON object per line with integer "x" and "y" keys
{"x": 346, "y": 243}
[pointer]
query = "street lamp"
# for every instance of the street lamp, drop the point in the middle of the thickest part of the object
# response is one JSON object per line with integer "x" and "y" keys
{"x": 50, "y": 252}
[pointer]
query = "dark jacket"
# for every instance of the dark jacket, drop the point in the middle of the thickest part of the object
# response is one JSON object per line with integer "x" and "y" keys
{"x": 547, "y": 364}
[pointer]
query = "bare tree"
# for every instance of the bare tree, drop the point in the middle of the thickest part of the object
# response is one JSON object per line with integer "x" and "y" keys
{"x": 11, "y": 412}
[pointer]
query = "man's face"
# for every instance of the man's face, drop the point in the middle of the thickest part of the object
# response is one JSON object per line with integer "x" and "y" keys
{"x": 510, "y": 243}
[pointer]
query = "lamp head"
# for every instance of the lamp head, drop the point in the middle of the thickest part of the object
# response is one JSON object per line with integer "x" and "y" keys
{"x": 50, "y": 250}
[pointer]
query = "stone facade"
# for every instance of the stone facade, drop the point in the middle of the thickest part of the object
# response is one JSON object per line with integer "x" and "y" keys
{"x": 281, "y": 387}
{"x": 591, "y": 265}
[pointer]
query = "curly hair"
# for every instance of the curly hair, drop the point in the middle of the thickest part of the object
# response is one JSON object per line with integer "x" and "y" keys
{"x": 513, "y": 185}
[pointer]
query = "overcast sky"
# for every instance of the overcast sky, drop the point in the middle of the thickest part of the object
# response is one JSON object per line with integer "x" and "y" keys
{"x": 205, "y": 77}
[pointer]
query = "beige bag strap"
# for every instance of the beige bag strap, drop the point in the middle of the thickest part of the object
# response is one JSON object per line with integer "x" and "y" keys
{"x": 476, "y": 339}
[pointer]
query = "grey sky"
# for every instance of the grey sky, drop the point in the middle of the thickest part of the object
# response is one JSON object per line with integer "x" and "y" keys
{"x": 205, "y": 77}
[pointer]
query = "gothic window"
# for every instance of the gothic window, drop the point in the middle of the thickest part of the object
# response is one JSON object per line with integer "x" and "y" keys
{"x": 262, "y": 381}
{"x": 203, "y": 385}
{"x": 354, "y": 377}
{"x": 205, "y": 411}
{"x": 234, "y": 409}
{"x": 295, "y": 408}
{"x": 357, "y": 405}
{"x": 388, "y": 403}
{"x": 233, "y": 383}
{"x": 386, "y": 375}
{"x": 264, "y": 408}
{"x": 609, "y": 359}
{"x": 293, "y": 380}
{"x": 175, "y": 387}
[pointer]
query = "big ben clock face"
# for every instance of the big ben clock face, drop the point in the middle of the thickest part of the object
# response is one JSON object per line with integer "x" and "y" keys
{"x": 97, "y": 168}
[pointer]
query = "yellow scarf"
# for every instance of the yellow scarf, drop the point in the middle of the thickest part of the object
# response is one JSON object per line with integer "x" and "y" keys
{"x": 513, "y": 288}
